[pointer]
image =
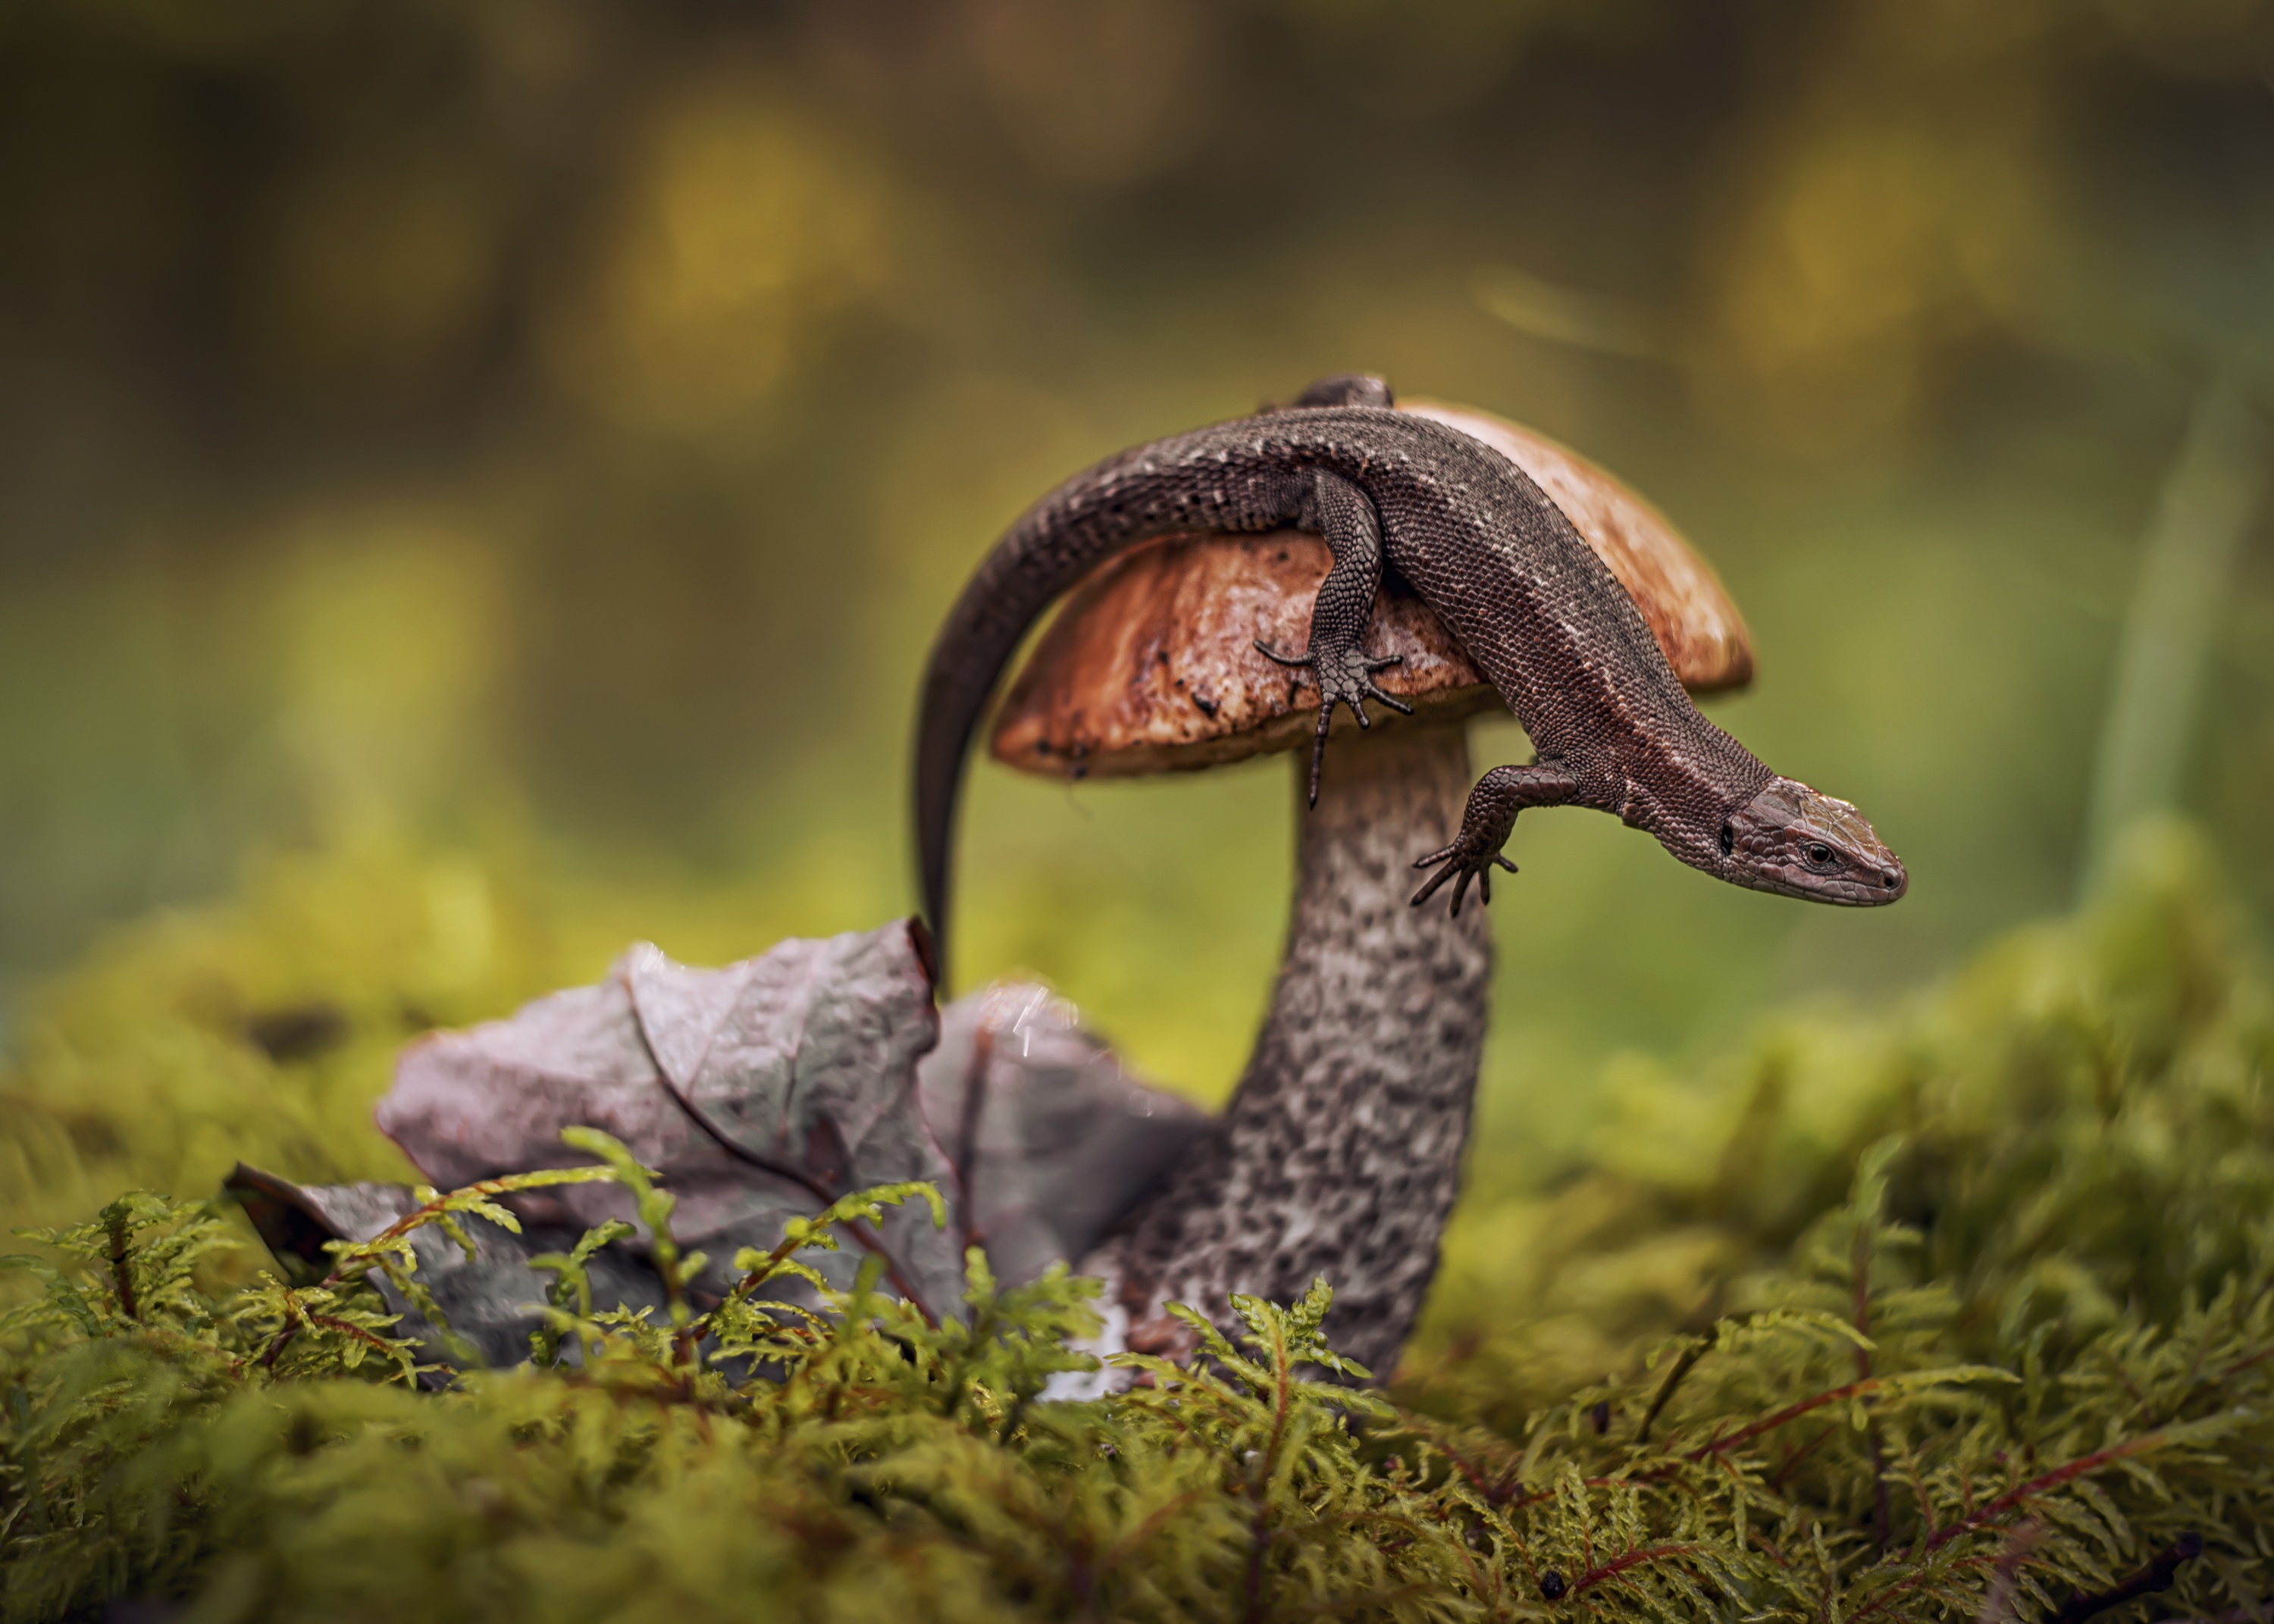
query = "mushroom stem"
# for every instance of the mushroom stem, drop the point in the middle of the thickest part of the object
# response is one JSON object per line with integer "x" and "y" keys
{"x": 1340, "y": 1154}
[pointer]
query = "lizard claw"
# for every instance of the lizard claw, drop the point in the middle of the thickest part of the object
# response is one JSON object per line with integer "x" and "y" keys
{"x": 1463, "y": 863}
{"x": 1366, "y": 689}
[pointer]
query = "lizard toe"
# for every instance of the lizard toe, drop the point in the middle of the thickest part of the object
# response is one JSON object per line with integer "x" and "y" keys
{"x": 1391, "y": 700}
{"x": 1429, "y": 887}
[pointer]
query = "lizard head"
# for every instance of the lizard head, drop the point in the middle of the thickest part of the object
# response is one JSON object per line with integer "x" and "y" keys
{"x": 1791, "y": 840}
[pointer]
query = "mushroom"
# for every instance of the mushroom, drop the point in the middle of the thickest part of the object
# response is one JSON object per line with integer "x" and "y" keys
{"x": 1339, "y": 1154}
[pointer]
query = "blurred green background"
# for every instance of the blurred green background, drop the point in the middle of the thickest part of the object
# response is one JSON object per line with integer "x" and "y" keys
{"x": 520, "y": 451}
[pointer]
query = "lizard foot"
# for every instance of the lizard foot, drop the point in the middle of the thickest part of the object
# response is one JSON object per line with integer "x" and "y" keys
{"x": 1345, "y": 678}
{"x": 1464, "y": 861}
{"x": 1487, "y": 823}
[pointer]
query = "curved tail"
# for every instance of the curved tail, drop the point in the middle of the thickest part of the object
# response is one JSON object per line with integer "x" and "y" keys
{"x": 1146, "y": 492}
{"x": 1026, "y": 573}
{"x": 966, "y": 660}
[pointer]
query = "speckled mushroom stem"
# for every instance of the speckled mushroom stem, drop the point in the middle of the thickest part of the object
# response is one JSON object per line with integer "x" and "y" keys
{"x": 1340, "y": 1154}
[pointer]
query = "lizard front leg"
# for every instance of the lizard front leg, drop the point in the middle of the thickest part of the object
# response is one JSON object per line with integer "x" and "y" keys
{"x": 1338, "y": 510}
{"x": 1485, "y": 824}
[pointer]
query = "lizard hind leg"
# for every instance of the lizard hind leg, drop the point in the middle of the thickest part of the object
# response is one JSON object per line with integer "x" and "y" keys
{"x": 1487, "y": 821}
{"x": 1332, "y": 507}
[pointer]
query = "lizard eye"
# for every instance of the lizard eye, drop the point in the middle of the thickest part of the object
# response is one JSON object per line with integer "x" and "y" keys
{"x": 1818, "y": 854}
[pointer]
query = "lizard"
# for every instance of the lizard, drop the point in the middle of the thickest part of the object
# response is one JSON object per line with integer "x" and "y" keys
{"x": 1536, "y": 609}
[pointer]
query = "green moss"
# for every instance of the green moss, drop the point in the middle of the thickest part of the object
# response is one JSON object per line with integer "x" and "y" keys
{"x": 1960, "y": 1310}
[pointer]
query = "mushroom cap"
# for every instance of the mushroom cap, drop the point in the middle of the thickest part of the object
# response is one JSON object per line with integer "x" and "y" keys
{"x": 1151, "y": 664}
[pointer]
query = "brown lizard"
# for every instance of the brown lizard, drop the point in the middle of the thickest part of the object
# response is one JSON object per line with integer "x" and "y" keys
{"x": 1535, "y": 608}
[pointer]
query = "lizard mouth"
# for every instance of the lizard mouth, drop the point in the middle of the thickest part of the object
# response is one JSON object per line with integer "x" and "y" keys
{"x": 1796, "y": 842}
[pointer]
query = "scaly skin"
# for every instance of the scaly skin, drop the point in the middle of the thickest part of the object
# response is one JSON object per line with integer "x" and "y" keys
{"x": 1537, "y": 610}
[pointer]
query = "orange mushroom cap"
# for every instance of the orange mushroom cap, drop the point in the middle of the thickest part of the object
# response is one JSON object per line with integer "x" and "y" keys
{"x": 1151, "y": 664}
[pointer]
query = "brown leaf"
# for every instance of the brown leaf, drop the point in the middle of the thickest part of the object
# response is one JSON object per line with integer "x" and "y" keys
{"x": 758, "y": 1092}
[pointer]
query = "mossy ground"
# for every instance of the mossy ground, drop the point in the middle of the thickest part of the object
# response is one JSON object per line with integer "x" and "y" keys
{"x": 1964, "y": 1311}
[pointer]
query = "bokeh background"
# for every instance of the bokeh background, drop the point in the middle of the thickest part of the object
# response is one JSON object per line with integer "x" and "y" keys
{"x": 506, "y": 461}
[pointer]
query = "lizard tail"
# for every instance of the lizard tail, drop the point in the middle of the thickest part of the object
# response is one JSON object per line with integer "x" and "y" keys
{"x": 1026, "y": 573}
{"x": 954, "y": 694}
